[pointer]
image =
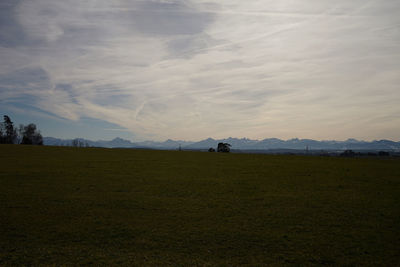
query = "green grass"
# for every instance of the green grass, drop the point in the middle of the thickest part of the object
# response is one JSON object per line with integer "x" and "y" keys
{"x": 70, "y": 206}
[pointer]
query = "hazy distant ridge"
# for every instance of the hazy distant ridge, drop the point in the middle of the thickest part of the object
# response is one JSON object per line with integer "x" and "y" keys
{"x": 243, "y": 143}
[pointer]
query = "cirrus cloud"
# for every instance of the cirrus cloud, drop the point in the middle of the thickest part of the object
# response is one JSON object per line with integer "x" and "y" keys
{"x": 193, "y": 69}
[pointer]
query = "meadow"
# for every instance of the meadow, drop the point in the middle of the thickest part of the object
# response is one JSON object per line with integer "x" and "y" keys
{"x": 73, "y": 206}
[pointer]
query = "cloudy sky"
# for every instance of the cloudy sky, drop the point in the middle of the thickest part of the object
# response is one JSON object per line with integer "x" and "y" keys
{"x": 190, "y": 70}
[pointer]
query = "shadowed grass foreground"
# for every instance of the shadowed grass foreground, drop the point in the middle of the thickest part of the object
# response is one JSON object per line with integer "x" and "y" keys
{"x": 113, "y": 206}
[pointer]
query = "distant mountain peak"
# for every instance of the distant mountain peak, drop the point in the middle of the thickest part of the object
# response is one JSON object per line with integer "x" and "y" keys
{"x": 243, "y": 143}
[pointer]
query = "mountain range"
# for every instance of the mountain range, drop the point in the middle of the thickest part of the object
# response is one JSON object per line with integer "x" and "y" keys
{"x": 237, "y": 144}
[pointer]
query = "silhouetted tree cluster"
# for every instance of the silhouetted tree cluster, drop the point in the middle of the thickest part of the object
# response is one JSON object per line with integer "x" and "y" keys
{"x": 26, "y": 135}
{"x": 30, "y": 135}
{"x": 223, "y": 147}
{"x": 351, "y": 153}
{"x": 79, "y": 143}
{"x": 383, "y": 153}
{"x": 211, "y": 149}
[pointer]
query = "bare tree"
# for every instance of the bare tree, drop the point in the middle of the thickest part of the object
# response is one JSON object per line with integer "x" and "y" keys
{"x": 79, "y": 143}
{"x": 75, "y": 142}
{"x": 30, "y": 135}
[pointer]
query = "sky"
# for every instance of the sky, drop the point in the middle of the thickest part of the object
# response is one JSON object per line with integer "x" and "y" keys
{"x": 193, "y": 69}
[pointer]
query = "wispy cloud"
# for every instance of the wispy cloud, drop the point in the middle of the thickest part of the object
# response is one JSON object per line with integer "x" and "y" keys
{"x": 193, "y": 69}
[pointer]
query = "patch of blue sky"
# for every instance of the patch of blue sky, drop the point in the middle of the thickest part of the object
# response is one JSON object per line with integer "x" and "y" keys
{"x": 54, "y": 126}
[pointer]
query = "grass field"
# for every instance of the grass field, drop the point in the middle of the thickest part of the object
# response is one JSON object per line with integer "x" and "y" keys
{"x": 70, "y": 206}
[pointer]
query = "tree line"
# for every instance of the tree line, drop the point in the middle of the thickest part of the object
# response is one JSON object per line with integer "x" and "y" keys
{"x": 24, "y": 134}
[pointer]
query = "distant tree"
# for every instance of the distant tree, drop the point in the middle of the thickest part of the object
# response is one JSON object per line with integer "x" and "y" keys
{"x": 30, "y": 135}
{"x": 79, "y": 143}
{"x": 1, "y": 134}
{"x": 211, "y": 149}
{"x": 224, "y": 147}
{"x": 383, "y": 153}
{"x": 8, "y": 134}
{"x": 75, "y": 142}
